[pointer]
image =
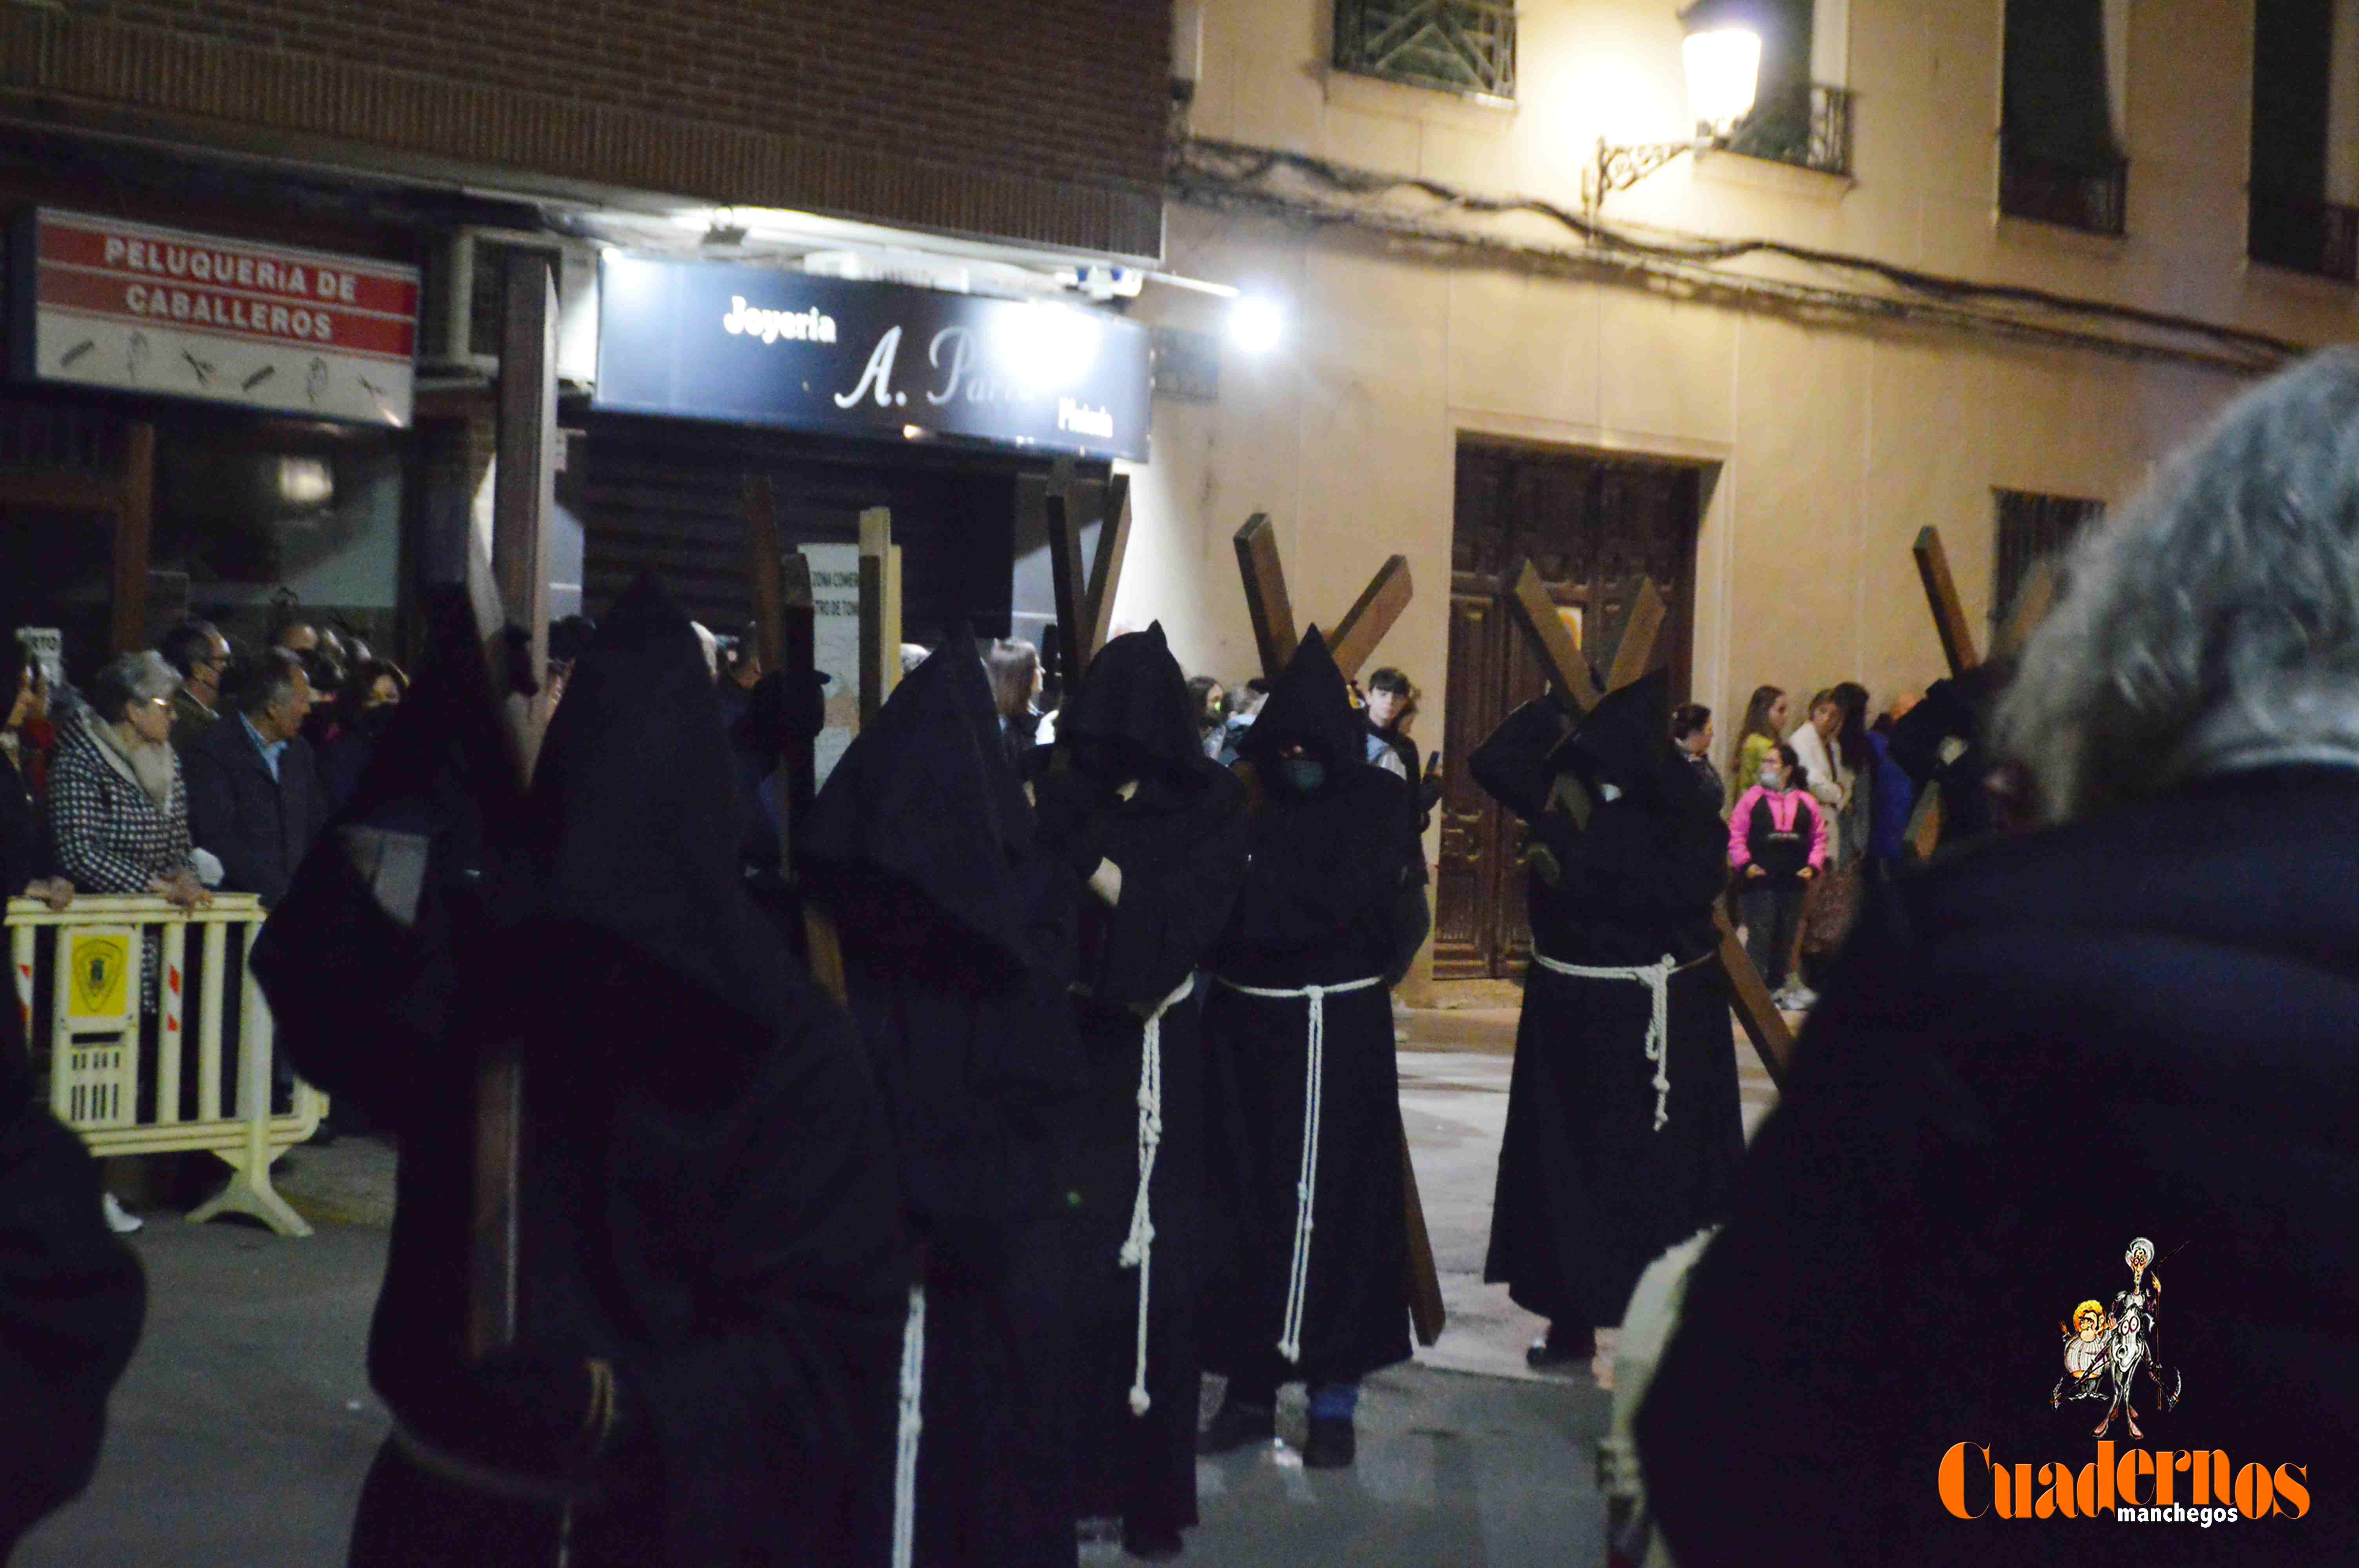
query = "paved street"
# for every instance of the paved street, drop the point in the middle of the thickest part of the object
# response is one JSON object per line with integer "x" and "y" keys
{"x": 241, "y": 1433}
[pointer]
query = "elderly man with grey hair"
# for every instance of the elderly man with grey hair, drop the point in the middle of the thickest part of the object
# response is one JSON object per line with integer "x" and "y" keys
{"x": 2141, "y": 1018}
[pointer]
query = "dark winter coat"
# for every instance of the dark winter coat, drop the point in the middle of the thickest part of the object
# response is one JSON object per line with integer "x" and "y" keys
{"x": 2140, "y": 1026}
{"x": 24, "y": 847}
{"x": 260, "y": 827}
{"x": 1590, "y": 1188}
{"x": 707, "y": 1194}
{"x": 1179, "y": 843}
{"x": 1321, "y": 903}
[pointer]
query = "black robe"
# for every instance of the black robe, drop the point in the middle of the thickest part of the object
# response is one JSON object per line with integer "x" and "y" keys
{"x": 2146, "y": 1024}
{"x": 706, "y": 1194}
{"x": 958, "y": 943}
{"x": 1590, "y": 1190}
{"x": 1181, "y": 844}
{"x": 71, "y": 1298}
{"x": 1323, "y": 903}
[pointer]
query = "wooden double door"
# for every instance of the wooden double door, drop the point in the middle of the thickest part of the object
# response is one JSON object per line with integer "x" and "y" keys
{"x": 1593, "y": 525}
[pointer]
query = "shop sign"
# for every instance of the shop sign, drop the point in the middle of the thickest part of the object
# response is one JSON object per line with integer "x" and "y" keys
{"x": 134, "y": 307}
{"x": 762, "y": 346}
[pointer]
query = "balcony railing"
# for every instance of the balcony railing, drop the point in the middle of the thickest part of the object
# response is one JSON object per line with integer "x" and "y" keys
{"x": 2068, "y": 197}
{"x": 1816, "y": 138}
{"x": 2303, "y": 234}
{"x": 1455, "y": 46}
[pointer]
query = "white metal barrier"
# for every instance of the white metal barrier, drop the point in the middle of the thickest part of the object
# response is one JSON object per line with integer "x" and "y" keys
{"x": 91, "y": 961}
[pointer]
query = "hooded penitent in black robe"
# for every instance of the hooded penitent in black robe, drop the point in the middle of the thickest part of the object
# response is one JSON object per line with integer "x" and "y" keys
{"x": 1322, "y": 905}
{"x": 2142, "y": 1024}
{"x": 1601, "y": 1169}
{"x": 1179, "y": 843}
{"x": 706, "y": 1198}
{"x": 957, "y": 940}
{"x": 71, "y": 1298}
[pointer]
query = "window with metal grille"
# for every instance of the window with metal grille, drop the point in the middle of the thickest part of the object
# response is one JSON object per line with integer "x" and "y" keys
{"x": 1456, "y": 46}
{"x": 2060, "y": 158}
{"x": 2032, "y": 527}
{"x": 2304, "y": 172}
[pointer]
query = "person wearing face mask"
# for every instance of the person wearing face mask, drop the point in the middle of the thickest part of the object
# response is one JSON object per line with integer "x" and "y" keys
{"x": 1624, "y": 1129}
{"x": 1778, "y": 844}
{"x": 1156, "y": 830}
{"x": 1311, "y": 1280}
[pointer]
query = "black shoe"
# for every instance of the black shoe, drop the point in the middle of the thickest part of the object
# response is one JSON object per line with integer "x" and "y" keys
{"x": 1151, "y": 1543}
{"x": 1332, "y": 1443}
{"x": 1560, "y": 1350}
{"x": 1237, "y": 1424}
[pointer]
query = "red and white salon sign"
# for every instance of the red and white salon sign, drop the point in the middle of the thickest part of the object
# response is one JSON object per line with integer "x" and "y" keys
{"x": 139, "y": 309}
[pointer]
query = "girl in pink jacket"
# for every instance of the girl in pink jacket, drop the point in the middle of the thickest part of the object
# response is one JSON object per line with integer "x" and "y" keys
{"x": 1777, "y": 840}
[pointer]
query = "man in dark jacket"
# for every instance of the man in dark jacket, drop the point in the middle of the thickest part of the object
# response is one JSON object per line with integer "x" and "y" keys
{"x": 711, "y": 1282}
{"x": 255, "y": 796}
{"x": 2140, "y": 1023}
{"x": 1310, "y": 1281}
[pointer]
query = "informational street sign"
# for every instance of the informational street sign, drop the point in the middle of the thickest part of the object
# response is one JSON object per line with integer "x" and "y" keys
{"x": 835, "y": 648}
{"x": 133, "y": 307}
{"x": 763, "y": 346}
{"x": 47, "y": 645}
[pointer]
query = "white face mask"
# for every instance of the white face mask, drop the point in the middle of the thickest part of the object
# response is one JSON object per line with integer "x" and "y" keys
{"x": 1772, "y": 776}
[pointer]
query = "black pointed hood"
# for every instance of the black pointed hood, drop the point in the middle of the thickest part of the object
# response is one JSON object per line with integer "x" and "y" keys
{"x": 1135, "y": 699}
{"x": 1309, "y": 706}
{"x": 925, "y": 795}
{"x": 631, "y": 829}
{"x": 1626, "y": 742}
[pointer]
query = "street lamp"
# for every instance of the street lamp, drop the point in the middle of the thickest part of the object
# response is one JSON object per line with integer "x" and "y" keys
{"x": 1724, "y": 68}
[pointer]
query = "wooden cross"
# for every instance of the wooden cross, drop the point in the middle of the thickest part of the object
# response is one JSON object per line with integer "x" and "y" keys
{"x": 2033, "y": 599}
{"x": 785, "y": 627}
{"x": 1633, "y": 644}
{"x": 1084, "y": 605}
{"x": 1356, "y": 636}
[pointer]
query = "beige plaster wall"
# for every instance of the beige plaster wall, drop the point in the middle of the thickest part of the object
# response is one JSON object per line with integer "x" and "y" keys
{"x": 1831, "y": 447}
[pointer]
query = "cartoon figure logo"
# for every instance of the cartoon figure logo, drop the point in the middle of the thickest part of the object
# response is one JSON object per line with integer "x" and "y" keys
{"x": 2106, "y": 1349}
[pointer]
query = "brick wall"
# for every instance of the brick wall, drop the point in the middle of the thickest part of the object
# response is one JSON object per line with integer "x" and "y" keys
{"x": 1033, "y": 119}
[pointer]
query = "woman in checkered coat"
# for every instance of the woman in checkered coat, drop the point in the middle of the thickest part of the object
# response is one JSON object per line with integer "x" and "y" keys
{"x": 118, "y": 811}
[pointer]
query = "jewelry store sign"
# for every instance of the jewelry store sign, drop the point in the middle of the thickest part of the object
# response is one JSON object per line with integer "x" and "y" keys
{"x": 762, "y": 346}
{"x": 133, "y": 307}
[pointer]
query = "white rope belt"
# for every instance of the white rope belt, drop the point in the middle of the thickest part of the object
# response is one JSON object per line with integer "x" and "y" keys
{"x": 1657, "y": 979}
{"x": 1138, "y": 1247}
{"x": 905, "y": 1455}
{"x": 1305, "y": 1188}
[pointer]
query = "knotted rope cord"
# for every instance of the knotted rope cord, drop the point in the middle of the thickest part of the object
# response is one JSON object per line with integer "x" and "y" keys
{"x": 1306, "y": 1187}
{"x": 1656, "y": 978}
{"x": 905, "y": 1458}
{"x": 1138, "y": 1247}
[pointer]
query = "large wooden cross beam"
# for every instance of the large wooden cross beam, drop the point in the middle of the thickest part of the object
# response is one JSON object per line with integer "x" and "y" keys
{"x": 2033, "y": 599}
{"x": 1631, "y": 651}
{"x": 1355, "y": 637}
{"x": 1084, "y": 605}
{"x": 1350, "y": 640}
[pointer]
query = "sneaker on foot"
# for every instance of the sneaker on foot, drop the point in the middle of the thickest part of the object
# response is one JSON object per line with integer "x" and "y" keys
{"x": 1332, "y": 1443}
{"x": 1234, "y": 1425}
{"x": 120, "y": 1220}
{"x": 1558, "y": 1350}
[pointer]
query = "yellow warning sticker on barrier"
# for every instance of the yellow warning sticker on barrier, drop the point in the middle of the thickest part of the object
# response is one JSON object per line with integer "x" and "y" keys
{"x": 98, "y": 970}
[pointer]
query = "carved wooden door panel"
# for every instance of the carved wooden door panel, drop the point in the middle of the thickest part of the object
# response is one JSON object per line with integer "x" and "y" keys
{"x": 1591, "y": 526}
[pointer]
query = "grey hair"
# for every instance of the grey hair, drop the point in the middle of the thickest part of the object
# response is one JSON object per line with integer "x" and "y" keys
{"x": 143, "y": 676}
{"x": 2213, "y": 623}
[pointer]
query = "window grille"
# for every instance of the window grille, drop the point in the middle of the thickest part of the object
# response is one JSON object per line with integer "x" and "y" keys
{"x": 1456, "y": 46}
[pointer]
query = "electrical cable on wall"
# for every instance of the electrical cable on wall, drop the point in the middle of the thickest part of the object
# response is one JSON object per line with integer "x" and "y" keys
{"x": 1230, "y": 176}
